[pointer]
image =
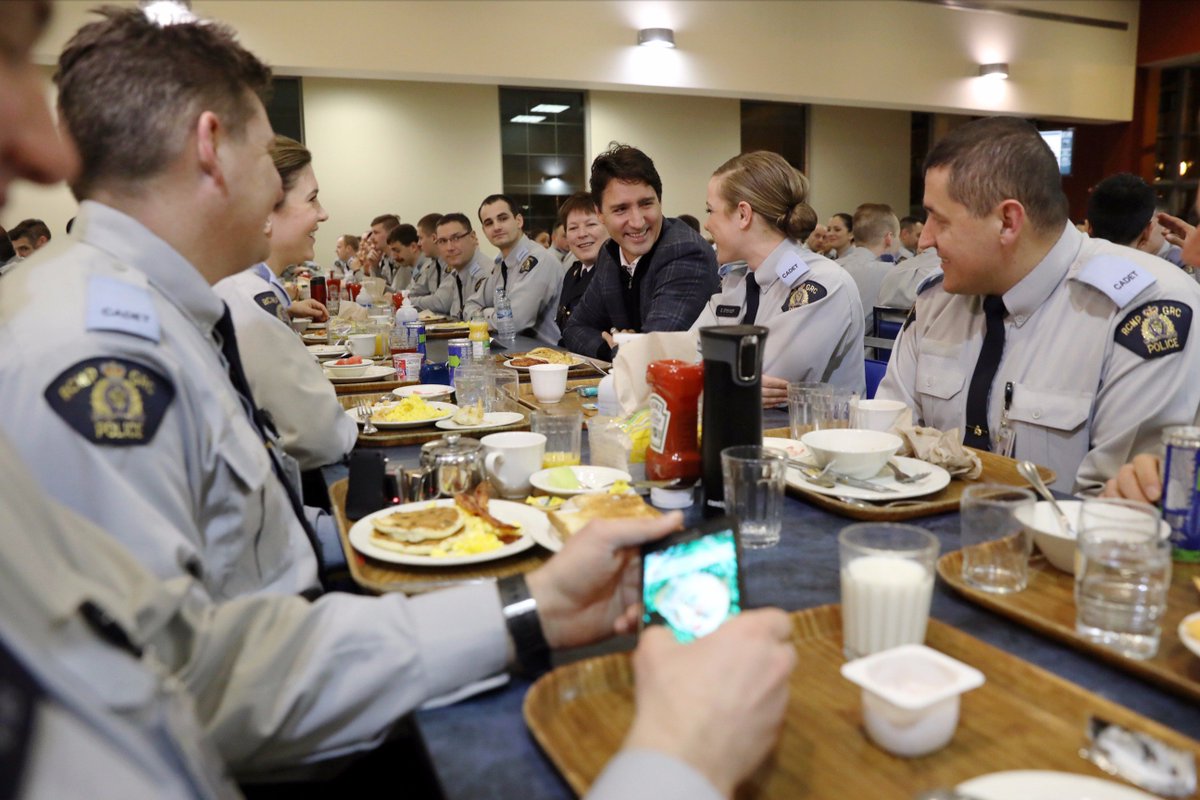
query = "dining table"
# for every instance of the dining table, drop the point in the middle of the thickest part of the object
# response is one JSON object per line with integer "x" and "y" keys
{"x": 481, "y": 747}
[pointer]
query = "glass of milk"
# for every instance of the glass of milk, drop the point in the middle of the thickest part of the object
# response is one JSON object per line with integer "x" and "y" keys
{"x": 887, "y": 585}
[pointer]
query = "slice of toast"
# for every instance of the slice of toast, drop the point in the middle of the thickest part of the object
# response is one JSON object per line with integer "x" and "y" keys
{"x": 571, "y": 516}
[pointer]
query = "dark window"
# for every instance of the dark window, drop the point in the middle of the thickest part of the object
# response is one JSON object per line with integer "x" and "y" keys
{"x": 779, "y": 127}
{"x": 286, "y": 109}
{"x": 543, "y": 160}
{"x": 1177, "y": 147}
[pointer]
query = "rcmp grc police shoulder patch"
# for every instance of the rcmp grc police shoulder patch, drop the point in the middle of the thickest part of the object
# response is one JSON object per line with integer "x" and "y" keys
{"x": 269, "y": 302}
{"x": 529, "y": 263}
{"x": 1155, "y": 329}
{"x": 111, "y": 401}
{"x": 804, "y": 293}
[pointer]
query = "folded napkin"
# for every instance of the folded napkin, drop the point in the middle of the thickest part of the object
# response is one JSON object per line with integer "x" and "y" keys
{"x": 629, "y": 367}
{"x": 428, "y": 315}
{"x": 352, "y": 311}
{"x": 943, "y": 449}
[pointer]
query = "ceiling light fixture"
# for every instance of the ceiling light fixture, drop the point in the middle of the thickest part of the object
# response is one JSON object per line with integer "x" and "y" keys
{"x": 656, "y": 37}
{"x": 549, "y": 108}
{"x": 529, "y": 118}
{"x": 997, "y": 71}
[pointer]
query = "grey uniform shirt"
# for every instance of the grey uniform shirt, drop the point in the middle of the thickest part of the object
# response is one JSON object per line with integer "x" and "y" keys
{"x": 811, "y": 309}
{"x": 284, "y": 377}
{"x": 899, "y": 286}
{"x": 534, "y": 283}
{"x": 427, "y": 277}
{"x": 119, "y": 400}
{"x": 446, "y": 299}
{"x": 867, "y": 271}
{"x": 1097, "y": 349}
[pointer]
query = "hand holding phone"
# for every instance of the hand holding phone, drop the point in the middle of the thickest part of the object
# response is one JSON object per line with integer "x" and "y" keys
{"x": 692, "y": 580}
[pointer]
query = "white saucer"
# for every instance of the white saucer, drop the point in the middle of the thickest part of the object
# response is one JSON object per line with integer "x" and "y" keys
{"x": 372, "y": 374}
{"x": 1028, "y": 784}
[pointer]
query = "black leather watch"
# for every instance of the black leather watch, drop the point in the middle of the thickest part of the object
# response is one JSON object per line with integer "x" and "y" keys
{"x": 524, "y": 626}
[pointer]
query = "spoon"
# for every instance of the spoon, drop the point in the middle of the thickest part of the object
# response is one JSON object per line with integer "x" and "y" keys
{"x": 1029, "y": 471}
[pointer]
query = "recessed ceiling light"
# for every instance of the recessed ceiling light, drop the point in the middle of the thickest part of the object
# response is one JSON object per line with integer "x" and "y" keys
{"x": 527, "y": 118}
{"x": 656, "y": 37}
{"x": 549, "y": 108}
{"x": 998, "y": 71}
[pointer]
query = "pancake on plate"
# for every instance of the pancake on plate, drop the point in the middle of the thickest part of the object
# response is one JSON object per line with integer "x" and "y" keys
{"x": 417, "y": 532}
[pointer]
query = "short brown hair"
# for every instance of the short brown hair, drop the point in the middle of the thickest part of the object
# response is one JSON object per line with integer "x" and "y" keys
{"x": 388, "y": 221}
{"x": 774, "y": 189}
{"x": 428, "y": 223}
{"x": 130, "y": 91}
{"x": 456, "y": 216}
{"x": 578, "y": 202}
{"x": 404, "y": 234}
{"x": 873, "y": 221}
{"x": 1002, "y": 158}
{"x": 290, "y": 158}
{"x": 352, "y": 241}
{"x": 31, "y": 229}
{"x": 620, "y": 162}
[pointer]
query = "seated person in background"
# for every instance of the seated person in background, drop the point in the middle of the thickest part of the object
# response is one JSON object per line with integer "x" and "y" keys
{"x": 29, "y": 235}
{"x": 691, "y": 222}
{"x": 654, "y": 274}
{"x": 404, "y": 247}
{"x": 903, "y": 280}
{"x": 758, "y": 212}
{"x": 528, "y": 272}
{"x": 1121, "y": 210}
{"x": 467, "y": 268}
{"x": 876, "y": 237}
{"x": 1157, "y": 244}
{"x": 429, "y": 271}
{"x": 839, "y": 236}
{"x": 559, "y": 245}
{"x": 816, "y": 240}
{"x": 379, "y": 263}
{"x": 585, "y": 235}
{"x": 1039, "y": 342}
{"x": 542, "y": 238}
{"x": 345, "y": 248}
{"x": 284, "y": 379}
{"x": 910, "y": 235}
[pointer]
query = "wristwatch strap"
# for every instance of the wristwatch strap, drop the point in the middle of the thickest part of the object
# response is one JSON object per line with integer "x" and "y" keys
{"x": 524, "y": 626}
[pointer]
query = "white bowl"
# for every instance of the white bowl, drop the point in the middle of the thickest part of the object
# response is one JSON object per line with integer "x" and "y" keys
{"x": 852, "y": 451}
{"x": 1057, "y": 545}
{"x": 348, "y": 370}
{"x": 300, "y": 324}
{"x": 910, "y": 697}
{"x": 361, "y": 344}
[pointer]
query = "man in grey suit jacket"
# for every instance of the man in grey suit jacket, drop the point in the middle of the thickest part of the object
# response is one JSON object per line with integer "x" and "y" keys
{"x": 654, "y": 274}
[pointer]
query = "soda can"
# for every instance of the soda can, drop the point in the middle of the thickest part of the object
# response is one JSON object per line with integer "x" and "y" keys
{"x": 1181, "y": 491}
{"x": 415, "y": 332}
{"x": 458, "y": 351}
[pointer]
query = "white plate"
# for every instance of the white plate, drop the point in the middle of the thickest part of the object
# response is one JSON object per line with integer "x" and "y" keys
{"x": 327, "y": 350}
{"x": 575, "y": 362}
{"x": 315, "y": 337}
{"x": 533, "y": 525}
{"x": 424, "y": 390}
{"x": 492, "y": 419}
{"x": 794, "y": 448}
{"x": 447, "y": 326}
{"x": 372, "y": 373}
{"x": 585, "y": 474}
{"x": 447, "y": 409}
{"x": 1044, "y": 785}
{"x": 1190, "y": 642}
{"x": 935, "y": 481}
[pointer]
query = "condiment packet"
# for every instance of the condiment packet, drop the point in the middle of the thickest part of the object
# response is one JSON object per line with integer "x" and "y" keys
{"x": 1140, "y": 759}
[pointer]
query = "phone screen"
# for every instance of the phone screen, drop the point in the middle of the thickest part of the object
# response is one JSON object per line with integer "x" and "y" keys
{"x": 692, "y": 586}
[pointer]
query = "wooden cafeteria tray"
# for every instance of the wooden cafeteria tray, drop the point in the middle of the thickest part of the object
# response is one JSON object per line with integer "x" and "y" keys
{"x": 456, "y": 331}
{"x": 382, "y": 576}
{"x": 1023, "y": 717}
{"x": 571, "y": 401}
{"x": 369, "y": 387}
{"x": 425, "y": 433}
{"x": 1048, "y": 605}
{"x": 996, "y": 469}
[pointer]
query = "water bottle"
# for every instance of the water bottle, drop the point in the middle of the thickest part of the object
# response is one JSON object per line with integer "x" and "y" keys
{"x": 405, "y": 313}
{"x": 506, "y": 328}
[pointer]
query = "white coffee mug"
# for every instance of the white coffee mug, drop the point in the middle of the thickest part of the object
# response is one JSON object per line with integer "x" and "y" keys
{"x": 362, "y": 344}
{"x": 510, "y": 458}
{"x": 549, "y": 382}
{"x": 875, "y": 415}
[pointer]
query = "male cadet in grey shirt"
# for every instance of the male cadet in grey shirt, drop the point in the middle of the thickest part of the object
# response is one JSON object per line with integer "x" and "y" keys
{"x": 910, "y": 235}
{"x": 1039, "y": 342}
{"x": 876, "y": 237}
{"x": 899, "y": 286}
{"x": 404, "y": 246}
{"x": 430, "y": 269}
{"x": 467, "y": 268}
{"x": 530, "y": 274}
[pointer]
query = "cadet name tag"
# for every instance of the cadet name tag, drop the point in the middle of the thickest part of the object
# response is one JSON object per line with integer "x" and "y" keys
{"x": 729, "y": 311}
{"x": 114, "y": 305}
{"x": 1118, "y": 278}
{"x": 1155, "y": 329}
{"x": 792, "y": 269}
{"x": 111, "y": 401}
{"x": 268, "y": 301}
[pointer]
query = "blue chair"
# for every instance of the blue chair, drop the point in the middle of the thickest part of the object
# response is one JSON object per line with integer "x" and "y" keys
{"x": 888, "y": 321}
{"x": 875, "y": 372}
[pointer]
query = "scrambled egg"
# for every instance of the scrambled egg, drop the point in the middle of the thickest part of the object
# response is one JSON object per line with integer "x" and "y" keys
{"x": 476, "y": 537}
{"x": 544, "y": 501}
{"x": 410, "y": 409}
{"x": 619, "y": 487}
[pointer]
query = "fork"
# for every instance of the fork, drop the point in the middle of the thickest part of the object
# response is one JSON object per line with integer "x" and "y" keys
{"x": 363, "y": 406}
{"x": 905, "y": 477}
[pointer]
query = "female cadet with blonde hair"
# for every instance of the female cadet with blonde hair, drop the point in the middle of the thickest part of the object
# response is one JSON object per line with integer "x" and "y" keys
{"x": 758, "y": 212}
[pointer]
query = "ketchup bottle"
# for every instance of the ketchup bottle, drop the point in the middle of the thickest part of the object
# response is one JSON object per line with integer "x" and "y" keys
{"x": 674, "y": 453}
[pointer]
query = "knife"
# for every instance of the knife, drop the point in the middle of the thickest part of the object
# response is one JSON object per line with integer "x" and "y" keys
{"x": 845, "y": 480}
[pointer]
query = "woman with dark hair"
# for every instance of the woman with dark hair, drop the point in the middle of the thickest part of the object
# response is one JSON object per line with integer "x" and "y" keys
{"x": 284, "y": 378}
{"x": 758, "y": 212}
{"x": 839, "y": 235}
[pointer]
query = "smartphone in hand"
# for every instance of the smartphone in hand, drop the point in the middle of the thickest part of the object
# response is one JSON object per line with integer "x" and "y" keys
{"x": 692, "y": 579}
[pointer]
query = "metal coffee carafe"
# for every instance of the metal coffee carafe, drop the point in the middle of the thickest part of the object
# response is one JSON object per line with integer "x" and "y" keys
{"x": 733, "y": 357}
{"x": 449, "y": 466}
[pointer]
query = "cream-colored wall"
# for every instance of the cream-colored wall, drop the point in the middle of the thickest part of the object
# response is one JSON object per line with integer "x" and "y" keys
{"x": 874, "y": 53}
{"x": 54, "y": 205}
{"x": 688, "y": 137}
{"x": 406, "y": 148}
{"x": 858, "y": 155}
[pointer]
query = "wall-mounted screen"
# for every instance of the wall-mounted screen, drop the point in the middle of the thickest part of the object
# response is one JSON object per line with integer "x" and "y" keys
{"x": 1061, "y": 142}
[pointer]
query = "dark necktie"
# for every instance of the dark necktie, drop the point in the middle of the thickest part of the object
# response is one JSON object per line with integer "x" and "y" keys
{"x": 504, "y": 275}
{"x": 976, "y": 434}
{"x": 752, "y": 297}
{"x": 458, "y": 280}
{"x": 262, "y": 424}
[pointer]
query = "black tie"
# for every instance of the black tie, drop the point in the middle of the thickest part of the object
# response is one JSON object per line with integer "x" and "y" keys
{"x": 976, "y": 434}
{"x": 458, "y": 280}
{"x": 752, "y": 297}
{"x": 262, "y": 423}
{"x": 504, "y": 275}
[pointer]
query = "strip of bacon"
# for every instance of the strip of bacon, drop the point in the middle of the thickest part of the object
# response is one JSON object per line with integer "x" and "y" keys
{"x": 476, "y": 504}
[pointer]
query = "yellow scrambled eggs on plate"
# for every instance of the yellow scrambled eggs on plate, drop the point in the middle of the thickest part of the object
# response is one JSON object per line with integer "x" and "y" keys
{"x": 410, "y": 409}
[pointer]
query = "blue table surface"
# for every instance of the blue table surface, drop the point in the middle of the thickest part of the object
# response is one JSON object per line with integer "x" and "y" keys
{"x": 481, "y": 748}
